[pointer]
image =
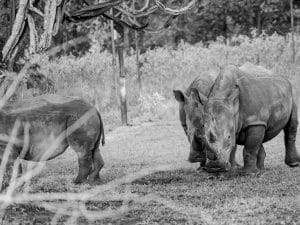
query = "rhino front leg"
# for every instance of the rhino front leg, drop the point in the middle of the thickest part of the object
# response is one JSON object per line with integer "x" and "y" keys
{"x": 232, "y": 159}
{"x": 261, "y": 158}
{"x": 292, "y": 157}
{"x": 254, "y": 139}
{"x": 9, "y": 168}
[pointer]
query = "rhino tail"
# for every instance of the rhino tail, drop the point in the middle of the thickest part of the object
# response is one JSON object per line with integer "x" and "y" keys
{"x": 102, "y": 130}
{"x": 102, "y": 135}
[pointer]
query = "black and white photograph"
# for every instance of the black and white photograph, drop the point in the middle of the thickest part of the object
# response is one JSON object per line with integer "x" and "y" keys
{"x": 149, "y": 112}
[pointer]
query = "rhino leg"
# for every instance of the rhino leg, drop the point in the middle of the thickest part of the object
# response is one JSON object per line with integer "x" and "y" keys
{"x": 98, "y": 163}
{"x": 253, "y": 143}
{"x": 292, "y": 157}
{"x": 232, "y": 159}
{"x": 85, "y": 166}
{"x": 84, "y": 151}
{"x": 8, "y": 170}
{"x": 261, "y": 158}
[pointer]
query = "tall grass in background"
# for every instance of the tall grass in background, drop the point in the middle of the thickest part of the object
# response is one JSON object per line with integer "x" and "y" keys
{"x": 164, "y": 69}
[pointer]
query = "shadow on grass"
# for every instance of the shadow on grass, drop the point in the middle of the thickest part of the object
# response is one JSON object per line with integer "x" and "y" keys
{"x": 187, "y": 176}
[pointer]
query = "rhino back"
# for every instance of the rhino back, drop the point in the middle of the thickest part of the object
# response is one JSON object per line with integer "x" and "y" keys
{"x": 47, "y": 119}
{"x": 264, "y": 101}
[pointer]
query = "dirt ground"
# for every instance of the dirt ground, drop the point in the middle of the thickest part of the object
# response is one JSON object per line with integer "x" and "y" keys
{"x": 184, "y": 196}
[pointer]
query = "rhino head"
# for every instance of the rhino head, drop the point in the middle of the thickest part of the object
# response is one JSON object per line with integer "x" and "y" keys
{"x": 220, "y": 118}
{"x": 191, "y": 116}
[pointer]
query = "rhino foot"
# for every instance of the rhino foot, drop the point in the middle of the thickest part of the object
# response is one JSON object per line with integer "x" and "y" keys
{"x": 292, "y": 161}
{"x": 235, "y": 166}
{"x": 201, "y": 167}
{"x": 251, "y": 171}
{"x": 77, "y": 181}
{"x": 293, "y": 164}
{"x": 94, "y": 180}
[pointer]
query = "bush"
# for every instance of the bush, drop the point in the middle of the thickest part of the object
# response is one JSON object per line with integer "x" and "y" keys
{"x": 164, "y": 69}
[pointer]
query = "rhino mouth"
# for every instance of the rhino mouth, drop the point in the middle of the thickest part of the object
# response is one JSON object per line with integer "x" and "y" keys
{"x": 196, "y": 159}
{"x": 215, "y": 167}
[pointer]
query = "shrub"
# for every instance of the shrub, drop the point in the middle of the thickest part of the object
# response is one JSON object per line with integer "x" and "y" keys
{"x": 164, "y": 69}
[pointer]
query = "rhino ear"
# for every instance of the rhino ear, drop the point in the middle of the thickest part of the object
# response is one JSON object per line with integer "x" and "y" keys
{"x": 180, "y": 96}
{"x": 233, "y": 94}
{"x": 198, "y": 96}
{"x": 233, "y": 98}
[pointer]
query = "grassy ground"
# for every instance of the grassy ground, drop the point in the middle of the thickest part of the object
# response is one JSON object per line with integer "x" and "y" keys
{"x": 189, "y": 197}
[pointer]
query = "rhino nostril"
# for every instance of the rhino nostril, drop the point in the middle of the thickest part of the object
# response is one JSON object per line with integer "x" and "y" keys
{"x": 211, "y": 156}
{"x": 198, "y": 133}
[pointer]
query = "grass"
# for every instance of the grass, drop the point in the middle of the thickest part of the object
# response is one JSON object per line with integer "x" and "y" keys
{"x": 180, "y": 195}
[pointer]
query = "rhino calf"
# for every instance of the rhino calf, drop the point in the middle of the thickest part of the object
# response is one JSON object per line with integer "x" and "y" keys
{"x": 48, "y": 125}
{"x": 191, "y": 117}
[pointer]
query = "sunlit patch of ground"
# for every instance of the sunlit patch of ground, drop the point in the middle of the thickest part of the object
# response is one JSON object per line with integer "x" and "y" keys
{"x": 190, "y": 197}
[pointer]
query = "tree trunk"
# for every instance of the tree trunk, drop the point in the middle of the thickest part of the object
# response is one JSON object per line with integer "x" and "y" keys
{"x": 17, "y": 31}
{"x": 138, "y": 66}
{"x": 258, "y": 21}
{"x": 123, "y": 103}
{"x": 49, "y": 20}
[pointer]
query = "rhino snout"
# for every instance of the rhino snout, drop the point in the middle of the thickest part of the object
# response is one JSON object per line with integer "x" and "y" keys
{"x": 217, "y": 166}
{"x": 197, "y": 156}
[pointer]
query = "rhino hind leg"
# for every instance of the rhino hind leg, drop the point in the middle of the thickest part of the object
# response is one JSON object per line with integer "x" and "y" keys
{"x": 85, "y": 166}
{"x": 84, "y": 151}
{"x": 260, "y": 163}
{"x": 292, "y": 157}
{"x": 98, "y": 163}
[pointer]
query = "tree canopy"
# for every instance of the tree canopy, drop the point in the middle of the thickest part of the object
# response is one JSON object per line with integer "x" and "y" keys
{"x": 205, "y": 21}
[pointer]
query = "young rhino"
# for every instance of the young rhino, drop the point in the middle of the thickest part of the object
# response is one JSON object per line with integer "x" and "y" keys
{"x": 191, "y": 117}
{"x": 48, "y": 125}
{"x": 248, "y": 110}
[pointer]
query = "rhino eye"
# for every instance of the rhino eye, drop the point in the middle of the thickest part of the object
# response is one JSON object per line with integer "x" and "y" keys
{"x": 212, "y": 137}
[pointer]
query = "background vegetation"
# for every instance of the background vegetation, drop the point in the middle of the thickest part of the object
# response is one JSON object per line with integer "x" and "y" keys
{"x": 164, "y": 69}
{"x": 146, "y": 179}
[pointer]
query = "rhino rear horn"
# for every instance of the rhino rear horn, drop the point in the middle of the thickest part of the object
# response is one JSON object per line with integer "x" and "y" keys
{"x": 198, "y": 96}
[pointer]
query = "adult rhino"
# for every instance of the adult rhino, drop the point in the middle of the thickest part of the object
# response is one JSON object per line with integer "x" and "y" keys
{"x": 248, "y": 110}
{"x": 191, "y": 117}
{"x": 51, "y": 123}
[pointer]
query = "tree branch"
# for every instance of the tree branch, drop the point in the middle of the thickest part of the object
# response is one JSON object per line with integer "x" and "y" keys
{"x": 175, "y": 11}
{"x": 71, "y": 43}
{"x": 36, "y": 10}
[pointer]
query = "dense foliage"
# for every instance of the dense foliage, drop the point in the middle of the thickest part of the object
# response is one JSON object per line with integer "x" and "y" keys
{"x": 208, "y": 20}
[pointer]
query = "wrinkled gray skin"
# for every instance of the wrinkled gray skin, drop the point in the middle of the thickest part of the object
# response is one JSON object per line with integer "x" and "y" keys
{"x": 46, "y": 118}
{"x": 191, "y": 117}
{"x": 248, "y": 110}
